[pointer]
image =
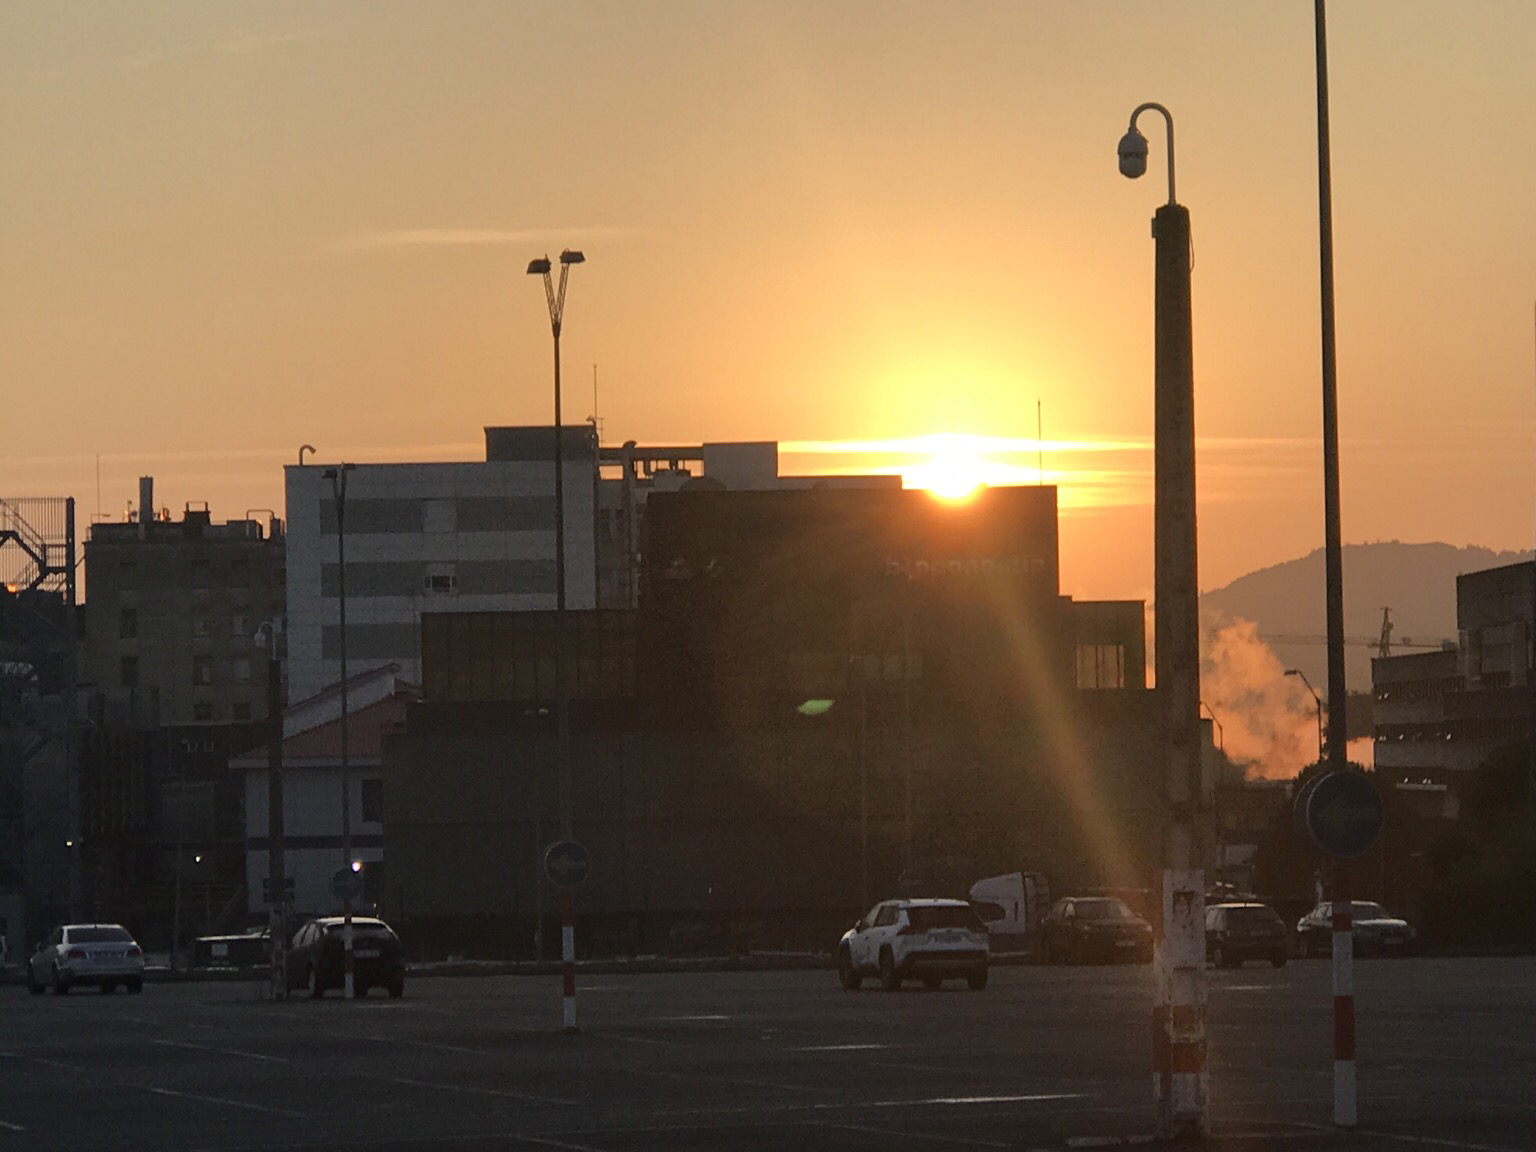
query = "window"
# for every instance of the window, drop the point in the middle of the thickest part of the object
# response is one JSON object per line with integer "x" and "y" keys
{"x": 128, "y": 624}
{"x": 130, "y": 671}
{"x": 126, "y": 571}
{"x": 200, "y": 626}
{"x": 202, "y": 670}
{"x": 1101, "y": 666}
{"x": 202, "y": 711}
{"x": 240, "y": 626}
{"x": 240, "y": 570}
{"x": 373, "y": 801}
{"x": 240, "y": 710}
{"x": 241, "y": 669}
{"x": 439, "y": 582}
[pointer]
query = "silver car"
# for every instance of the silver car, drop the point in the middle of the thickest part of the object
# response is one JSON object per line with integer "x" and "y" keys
{"x": 104, "y": 955}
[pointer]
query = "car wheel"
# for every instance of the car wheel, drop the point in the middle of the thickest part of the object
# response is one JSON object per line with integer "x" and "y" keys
{"x": 397, "y": 988}
{"x": 1278, "y": 960}
{"x": 312, "y": 983}
{"x": 932, "y": 983}
{"x": 847, "y": 975}
{"x": 135, "y": 986}
{"x": 889, "y": 979}
{"x": 1310, "y": 946}
{"x": 1220, "y": 957}
{"x": 60, "y": 985}
{"x": 977, "y": 981}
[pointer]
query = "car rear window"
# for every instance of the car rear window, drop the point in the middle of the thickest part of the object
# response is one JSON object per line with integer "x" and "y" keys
{"x": 374, "y": 929}
{"x": 99, "y": 936}
{"x": 925, "y": 919}
{"x": 1252, "y": 915}
{"x": 1104, "y": 910}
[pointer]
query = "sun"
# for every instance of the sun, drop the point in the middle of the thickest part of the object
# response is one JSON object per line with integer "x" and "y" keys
{"x": 953, "y": 475}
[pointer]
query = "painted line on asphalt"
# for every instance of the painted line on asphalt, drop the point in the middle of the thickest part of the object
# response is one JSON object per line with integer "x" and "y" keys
{"x": 469, "y": 1090}
{"x": 703, "y": 1078}
{"x": 221, "y": 1051}
{"x": 900, "y": 1134}
{"x": 9, "y": 1127}
{"x": 224, "y": 1100}
{"x": 43, "y": 1060}
{"x": 1431, "y": 1141}
{"x": 860, "y": 1105}
{"x": 844, "y": 1048}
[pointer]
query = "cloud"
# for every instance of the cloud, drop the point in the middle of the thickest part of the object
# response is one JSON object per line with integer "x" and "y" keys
{"x": 385, "y": 241}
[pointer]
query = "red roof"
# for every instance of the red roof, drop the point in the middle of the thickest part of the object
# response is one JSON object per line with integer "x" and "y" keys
{"x": 366, "y": 728}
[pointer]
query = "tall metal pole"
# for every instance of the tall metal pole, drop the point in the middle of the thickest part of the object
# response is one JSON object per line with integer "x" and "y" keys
{"x": 338, "y": 479}
{"x": 1179, "y": 1008}
{"x": 1336, "y": 746}
{"x": 276, "y": 881}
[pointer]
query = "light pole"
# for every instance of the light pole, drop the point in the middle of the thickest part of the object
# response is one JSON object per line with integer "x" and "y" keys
{"x": 555, "y": 297}
{"x": 1318, "y": 702}
{"x": 1178, "y": 1013}
{"x": 267, "y": 637}
{"x": 338, "y": 478}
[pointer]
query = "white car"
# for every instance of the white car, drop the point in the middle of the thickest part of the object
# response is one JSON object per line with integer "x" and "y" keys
{"x": 105, "y": 955}
{"x": 927, "y": 940}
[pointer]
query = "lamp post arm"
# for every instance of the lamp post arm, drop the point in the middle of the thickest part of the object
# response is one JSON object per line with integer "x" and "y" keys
{"x": 1152, "y": 106}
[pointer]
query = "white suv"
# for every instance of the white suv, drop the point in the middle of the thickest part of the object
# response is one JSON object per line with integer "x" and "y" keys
{"x": 927, "y": 940}
{"x": 105, "y": 955}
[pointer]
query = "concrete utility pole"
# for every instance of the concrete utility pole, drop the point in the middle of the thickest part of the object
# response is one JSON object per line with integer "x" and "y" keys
{"x": 1178, "y": 1013}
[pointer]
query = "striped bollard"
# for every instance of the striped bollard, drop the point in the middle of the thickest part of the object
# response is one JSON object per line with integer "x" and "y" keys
{"x": 1344, "y": 1099}
{"x": 568, "y": 955}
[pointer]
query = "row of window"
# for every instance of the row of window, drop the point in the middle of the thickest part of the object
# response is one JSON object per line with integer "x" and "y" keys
{"x": 240, "y": 626}
{"x": 201, "y": 573}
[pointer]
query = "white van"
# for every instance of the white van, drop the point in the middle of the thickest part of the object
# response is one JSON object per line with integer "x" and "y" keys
{"x": 1012, "y": 906}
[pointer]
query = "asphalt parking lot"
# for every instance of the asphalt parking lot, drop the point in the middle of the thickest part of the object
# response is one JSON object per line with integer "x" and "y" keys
{"x": 759, "y": 1060}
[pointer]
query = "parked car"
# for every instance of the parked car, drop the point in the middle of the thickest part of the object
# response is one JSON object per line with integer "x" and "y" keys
{"x": 927, "y": 940}
{"x": 1373, "y": 929}
{"x": 104, "y": 955}
{"x": 316, "y": 962}
{"x": 1085, "y": 929}
{"x": 1244, "y": 931}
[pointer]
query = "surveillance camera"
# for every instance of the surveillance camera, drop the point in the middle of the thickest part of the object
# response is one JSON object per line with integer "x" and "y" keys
{"x": 1133, "y": 154}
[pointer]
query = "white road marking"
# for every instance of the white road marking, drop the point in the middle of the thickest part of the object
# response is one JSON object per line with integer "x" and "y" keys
{"x": 842, "y": 1048}
{"x": 1461, "y": 1145}
{"x": 470, "y": 1091}
{"x": 9, "y": 1127}
{"x": 905, "y": 1136}
{"x": 221, "y": 1051}
{"x": 227, "y": 1102}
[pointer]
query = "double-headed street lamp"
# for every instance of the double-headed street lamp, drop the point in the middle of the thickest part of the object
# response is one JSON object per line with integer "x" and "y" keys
{"x": 1179, "y": 1008}
{"x": 338, "y": 478}
{"x": 556, "y": 299}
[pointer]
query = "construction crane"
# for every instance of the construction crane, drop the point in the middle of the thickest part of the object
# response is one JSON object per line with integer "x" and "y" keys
{"x": 1384, "y": 644}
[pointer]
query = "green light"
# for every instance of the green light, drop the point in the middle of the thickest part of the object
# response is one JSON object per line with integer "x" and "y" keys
{"x": 815, "y": 707}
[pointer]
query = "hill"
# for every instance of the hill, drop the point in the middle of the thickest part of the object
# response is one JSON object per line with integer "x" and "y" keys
{"x": 1417, "y": 582}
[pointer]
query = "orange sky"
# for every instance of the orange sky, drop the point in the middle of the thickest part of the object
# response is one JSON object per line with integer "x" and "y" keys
{"x": 230, "y": 229}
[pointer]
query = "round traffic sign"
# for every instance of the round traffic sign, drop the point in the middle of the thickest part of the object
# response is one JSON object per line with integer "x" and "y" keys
{"x": 1299, "y": 805}
{"x": 1344, "y": 813}
{"x": 346, "y": 884}
{"x": 567, "y": 863}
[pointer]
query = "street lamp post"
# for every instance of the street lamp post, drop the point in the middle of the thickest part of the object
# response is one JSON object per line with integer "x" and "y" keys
{"x": 338, "y": 479}
{"x": 1179, "y": 1008}
{"x": 555, "y": 297}
{"x": 267, "y": 637}
{"x": 1318, "y": 703}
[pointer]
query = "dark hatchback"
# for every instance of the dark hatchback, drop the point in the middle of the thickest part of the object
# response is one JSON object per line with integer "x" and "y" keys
{"x": 1238, "y": 932}
{"x": 1089, "y": 929}
{"x": 316, "y": 961}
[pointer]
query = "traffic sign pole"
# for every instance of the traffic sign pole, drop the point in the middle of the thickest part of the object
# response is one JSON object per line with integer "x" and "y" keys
{"x": 1345, "y": 1112}
{"x": 568, "y": 956}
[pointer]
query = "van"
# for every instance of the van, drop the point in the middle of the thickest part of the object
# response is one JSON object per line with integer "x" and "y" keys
{"x": 1012, "y": 906}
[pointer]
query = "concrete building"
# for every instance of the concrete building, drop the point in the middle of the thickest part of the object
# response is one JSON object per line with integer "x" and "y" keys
{"x": 313, "y": 786}
{"x": 1440, "y": 715}
{"x": 479, "y": 536}
{"x": 171, "y": 614}
{"x": 823, "y": 696}
{"x": 472, "y": 536}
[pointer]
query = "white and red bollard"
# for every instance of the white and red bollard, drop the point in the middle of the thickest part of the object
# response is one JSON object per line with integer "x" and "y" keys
{"x": 1344, "y": 1098}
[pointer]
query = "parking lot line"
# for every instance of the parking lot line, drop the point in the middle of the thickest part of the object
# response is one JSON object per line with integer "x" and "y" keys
{"x": 904, "y": 1135}
{"x": 221, "y": 1051}
{"x": 9, "y": 1127}
{"x": 227, "y": 1102}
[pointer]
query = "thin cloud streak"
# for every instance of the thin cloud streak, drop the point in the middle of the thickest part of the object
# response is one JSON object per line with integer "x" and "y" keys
{"x": 386, "y": 241}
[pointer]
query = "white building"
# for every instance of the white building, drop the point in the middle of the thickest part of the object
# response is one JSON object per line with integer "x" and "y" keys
{"x": 450, "y": 537}
{"x": 312, "y": 786}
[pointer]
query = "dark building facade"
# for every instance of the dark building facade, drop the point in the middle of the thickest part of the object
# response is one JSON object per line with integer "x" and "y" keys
{"x": 824, "y": 697}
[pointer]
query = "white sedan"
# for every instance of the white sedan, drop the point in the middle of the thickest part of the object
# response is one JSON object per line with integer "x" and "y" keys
{"x": 104, "y": 955}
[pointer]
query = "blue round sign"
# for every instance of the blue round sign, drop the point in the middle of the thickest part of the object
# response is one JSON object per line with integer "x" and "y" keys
{"x": 1344, "y": 814}
{"x": 567, "y": 863}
